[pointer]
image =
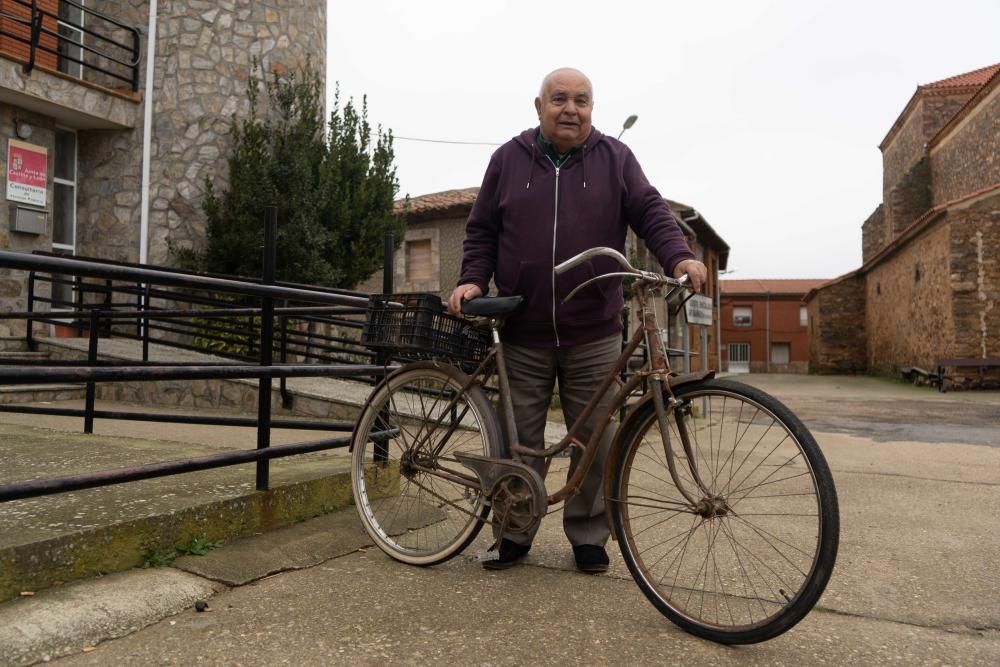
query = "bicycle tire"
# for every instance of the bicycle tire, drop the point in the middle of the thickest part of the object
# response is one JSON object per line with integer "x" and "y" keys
{"x": 414, "y": 516}
{"x": 751, "y": 566}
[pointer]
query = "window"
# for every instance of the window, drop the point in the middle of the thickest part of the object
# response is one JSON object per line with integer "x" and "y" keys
{"x": 803, "y": 316}
{"x": 780, "y": 353}
{"x": 70, "y": 39}
{"x": 64, "y": 210}
{"x": 742, "y": 316}
{"x": 418, "y": 261}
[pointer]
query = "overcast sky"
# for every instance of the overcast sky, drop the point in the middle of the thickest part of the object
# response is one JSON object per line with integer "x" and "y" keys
{"x": 764, "y": 116}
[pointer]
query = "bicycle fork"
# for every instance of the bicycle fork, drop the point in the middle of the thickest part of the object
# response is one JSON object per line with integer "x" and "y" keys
{"x": 709, "y": 505}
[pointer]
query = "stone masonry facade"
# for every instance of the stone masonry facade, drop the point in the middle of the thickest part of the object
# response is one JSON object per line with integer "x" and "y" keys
{"x": 929, "y": 286}
{"x": 837, "y": 344}
{"x": 204, "y": 54}
{"x": 967, "y": 160}
{"x": 975, "y": 279}
{"x": 204, "y": 58}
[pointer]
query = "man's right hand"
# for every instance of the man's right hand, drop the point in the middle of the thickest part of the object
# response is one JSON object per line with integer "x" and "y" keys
{"x": 462, "y": 293}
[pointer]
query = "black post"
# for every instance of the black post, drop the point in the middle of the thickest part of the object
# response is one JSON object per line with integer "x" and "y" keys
{"x": 387, "y": 265}
{"x": 380, "y": 453}
{"x": 266, "y": 346}
{"x": 135, "y": 59}
{"x": 107, "y": 304}
{"x": 88, "y": 417}
{"x": 29, "y": 336}
{"x": 36, "y": 31}
{"x": 286, "y": 398}
{"x": 145, "y": 324}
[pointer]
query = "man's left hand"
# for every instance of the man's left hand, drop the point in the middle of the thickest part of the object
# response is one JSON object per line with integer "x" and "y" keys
{"x": 695, "y": 269}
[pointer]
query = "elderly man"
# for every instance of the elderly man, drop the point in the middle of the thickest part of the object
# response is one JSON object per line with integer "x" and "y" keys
{"x": 548, "y": 194}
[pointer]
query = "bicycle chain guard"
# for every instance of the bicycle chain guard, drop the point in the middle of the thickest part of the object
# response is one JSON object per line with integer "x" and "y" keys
{"x": 516, "y": 491}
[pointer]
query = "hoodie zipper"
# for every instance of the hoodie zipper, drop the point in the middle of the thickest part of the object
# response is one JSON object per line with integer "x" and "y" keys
{"x": 555, "y": 224}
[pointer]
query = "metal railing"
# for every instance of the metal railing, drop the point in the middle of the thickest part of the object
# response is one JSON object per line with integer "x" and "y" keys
{"x": 134, "y": 314}
{"x": 91, "y": 49}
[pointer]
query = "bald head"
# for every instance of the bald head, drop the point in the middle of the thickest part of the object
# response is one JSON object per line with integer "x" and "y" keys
{"x": 559, "y": 74}
{"x": 564, "y": 104}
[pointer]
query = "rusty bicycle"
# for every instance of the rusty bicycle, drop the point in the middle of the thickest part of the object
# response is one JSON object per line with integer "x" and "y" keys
{"x": 721, "y": 501}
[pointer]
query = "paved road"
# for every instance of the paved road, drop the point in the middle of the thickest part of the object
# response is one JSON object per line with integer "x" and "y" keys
{"x": 916, "y": 582}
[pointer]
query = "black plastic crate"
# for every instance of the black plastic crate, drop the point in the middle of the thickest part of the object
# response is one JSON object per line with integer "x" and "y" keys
{"x": 421, "y": 329}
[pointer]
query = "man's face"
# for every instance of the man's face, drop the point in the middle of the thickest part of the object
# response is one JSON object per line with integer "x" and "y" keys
{"x": 564, "y": 109}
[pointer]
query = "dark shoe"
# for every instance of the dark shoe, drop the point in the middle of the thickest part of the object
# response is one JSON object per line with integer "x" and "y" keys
{"x": 510, "y": 553}
{"x": 590, "y": 558}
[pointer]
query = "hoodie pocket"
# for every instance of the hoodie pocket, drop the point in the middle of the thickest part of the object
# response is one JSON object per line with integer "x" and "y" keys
{"x": 533, "y": 281}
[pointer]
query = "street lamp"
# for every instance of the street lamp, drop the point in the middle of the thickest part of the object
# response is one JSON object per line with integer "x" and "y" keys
{"x": 629, "y": 122}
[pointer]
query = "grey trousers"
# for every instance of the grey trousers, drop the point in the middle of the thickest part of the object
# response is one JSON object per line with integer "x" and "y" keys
{"x": 580, "y": 370}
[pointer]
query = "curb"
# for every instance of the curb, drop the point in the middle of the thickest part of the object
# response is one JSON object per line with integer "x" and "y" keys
{"x": 126, "y": 545}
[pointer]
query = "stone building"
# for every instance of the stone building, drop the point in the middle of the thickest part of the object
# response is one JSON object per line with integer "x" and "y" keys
{"x": 430, "y": 259}
{"x": 764, "y": 325}
{"x": 929, "y": 284}
{"x": 131, "y": 127}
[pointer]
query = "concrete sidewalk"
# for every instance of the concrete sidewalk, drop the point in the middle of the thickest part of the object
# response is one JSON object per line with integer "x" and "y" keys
{"x": 915, "y": 583}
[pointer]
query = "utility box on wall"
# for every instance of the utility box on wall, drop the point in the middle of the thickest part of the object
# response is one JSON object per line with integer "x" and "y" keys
{"x": 28, "y": 220}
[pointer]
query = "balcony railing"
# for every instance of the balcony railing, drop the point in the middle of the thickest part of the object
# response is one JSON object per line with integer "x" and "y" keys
{"x": 105, "y": 52}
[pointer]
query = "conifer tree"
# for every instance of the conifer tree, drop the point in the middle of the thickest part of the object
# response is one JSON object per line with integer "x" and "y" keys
{"x": 334, "y": 184}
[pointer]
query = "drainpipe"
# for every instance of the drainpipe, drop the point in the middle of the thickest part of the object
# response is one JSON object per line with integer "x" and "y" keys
{"x": 718, "y": 320}
{"x": 767, "y": 333}
{"x": 147, "y": 131}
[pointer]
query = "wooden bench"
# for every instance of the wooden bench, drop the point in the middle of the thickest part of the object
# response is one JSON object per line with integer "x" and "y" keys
{"x": 968, "y": 372}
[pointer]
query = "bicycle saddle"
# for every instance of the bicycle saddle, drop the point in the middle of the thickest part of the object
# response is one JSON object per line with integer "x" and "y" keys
{"x": 492, "y": 306}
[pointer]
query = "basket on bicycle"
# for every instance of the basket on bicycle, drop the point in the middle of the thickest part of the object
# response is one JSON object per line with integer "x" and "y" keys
{"x": 416, "y": 326}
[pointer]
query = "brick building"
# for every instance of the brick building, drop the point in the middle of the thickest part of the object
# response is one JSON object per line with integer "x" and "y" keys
{"x": 126, "y": 131}
{"x": 764, "y": 325}
{"x": 929, "y": 284}
{"x": 430, "y": 259}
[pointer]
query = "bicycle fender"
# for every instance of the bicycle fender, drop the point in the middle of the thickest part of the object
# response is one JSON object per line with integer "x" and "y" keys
{"x": 626, "y": 427}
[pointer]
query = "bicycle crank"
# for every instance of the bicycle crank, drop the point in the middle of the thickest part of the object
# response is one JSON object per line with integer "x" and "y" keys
{"x": 516, "y": 492}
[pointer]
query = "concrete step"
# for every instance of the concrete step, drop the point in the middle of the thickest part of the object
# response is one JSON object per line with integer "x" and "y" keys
{"x": 12, "y": 358}
{"x": 40, "y": 393}
{"x": 13, "y": 343}
{"x": 58, "y": 538}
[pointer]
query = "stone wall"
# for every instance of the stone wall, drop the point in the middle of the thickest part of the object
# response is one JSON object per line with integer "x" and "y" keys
{"x": 909, "y": 198}
{"x": 874, "y": 234}
{"x": 967, "y": 159}
{"x": 975, "y": 279}
{"x": 904, "y": 149}
{"x": 837, "y": 338}
{"x": 908, "y": 314}
{"x": 203, "y": 60}
{"x": 447, "y": 235}
{"x": 109, "y": 193}
{"x": 931, "y": 111}
{"x": 13, "y": 283}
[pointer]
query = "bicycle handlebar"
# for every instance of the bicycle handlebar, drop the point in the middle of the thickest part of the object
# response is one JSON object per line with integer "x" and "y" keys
{"x": 587, "y": 255}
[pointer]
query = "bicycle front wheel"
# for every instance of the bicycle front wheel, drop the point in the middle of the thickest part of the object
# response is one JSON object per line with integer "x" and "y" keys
{"x": 406, "y": 481}
{"x": 752, "y": 554}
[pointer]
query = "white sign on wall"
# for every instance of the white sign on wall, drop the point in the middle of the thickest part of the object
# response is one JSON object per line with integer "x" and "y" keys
{"x": 698, "y": 310}
{"x": 27, "y": 170}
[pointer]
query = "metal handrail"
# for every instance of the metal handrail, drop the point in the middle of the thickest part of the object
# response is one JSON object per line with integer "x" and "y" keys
{"x": 36, "y": 23}
{"x": 100, "y": 319}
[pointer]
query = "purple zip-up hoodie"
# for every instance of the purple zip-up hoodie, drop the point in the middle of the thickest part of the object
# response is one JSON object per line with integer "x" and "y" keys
{"x": 530, "y": 216}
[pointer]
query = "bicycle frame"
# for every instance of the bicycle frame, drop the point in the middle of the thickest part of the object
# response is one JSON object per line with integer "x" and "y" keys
{"x": 656, "y": 371}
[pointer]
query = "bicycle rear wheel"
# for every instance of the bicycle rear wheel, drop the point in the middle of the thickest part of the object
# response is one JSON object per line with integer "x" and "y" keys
{"x": 753, "y": 556}
{"x": 402, "y": 450}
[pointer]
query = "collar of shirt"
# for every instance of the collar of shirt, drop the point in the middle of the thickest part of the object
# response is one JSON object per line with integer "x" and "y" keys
{"x": 549, "y": 149}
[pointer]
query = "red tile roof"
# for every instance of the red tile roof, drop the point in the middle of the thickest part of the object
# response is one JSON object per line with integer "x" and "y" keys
{"x": 975, "y": 78}
{"x": 439, "y": 202}
{"x": 967, "y": 83}
{"x": 765, "y": 286}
